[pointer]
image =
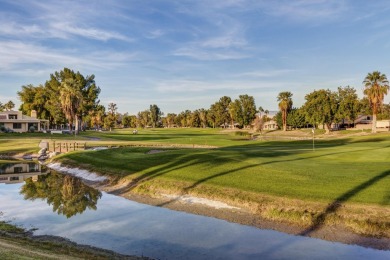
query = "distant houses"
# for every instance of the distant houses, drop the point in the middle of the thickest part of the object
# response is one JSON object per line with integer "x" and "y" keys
{"x": 15, "y": 121}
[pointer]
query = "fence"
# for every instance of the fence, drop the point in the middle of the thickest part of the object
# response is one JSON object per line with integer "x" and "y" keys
{"x": 66, "y": 146}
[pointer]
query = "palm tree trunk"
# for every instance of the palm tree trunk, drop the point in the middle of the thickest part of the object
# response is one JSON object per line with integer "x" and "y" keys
{"x": 373, "y": 129}
{"x": 327, "y": 128}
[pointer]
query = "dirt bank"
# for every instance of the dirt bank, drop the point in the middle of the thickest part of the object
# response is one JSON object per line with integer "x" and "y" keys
{"x": 336, "y": 233}
{"x": 262, "y": 211}
{"x": 16, "y": 245}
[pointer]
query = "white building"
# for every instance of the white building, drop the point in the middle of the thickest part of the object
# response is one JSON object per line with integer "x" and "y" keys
{"x": 20, "y": 123}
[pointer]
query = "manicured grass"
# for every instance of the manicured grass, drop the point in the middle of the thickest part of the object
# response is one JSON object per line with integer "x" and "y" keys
{"x": 349, "y": 169}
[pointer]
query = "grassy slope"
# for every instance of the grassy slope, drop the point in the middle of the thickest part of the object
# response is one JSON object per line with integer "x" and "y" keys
{"x": 16, "y": 244}
{"x": 344, "y": 181}
{"x": 285, "y": 168}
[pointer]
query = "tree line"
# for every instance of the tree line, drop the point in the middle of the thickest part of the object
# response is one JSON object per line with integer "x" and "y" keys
{"x": 7, "y": 106}
{"x": 69, "y": 97}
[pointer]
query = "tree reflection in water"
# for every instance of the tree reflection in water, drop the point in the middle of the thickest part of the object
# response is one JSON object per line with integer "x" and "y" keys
{"x": 67, "y": 194}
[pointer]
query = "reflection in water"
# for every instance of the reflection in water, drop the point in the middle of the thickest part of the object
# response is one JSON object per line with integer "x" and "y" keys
{"x": 68, "y": 195}
{"x": 11, "y": 173}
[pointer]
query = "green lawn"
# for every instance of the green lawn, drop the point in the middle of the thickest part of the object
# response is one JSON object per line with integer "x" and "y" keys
{"x": 346, "y": 169}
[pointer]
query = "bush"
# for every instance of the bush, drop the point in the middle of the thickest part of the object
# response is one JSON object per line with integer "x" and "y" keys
{"x": 31, "y": 129}
{"x": 3, "y": 129}
{"x": 241, "y": 133}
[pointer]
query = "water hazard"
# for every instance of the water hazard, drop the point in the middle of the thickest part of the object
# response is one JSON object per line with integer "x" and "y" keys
{"x": 62, "y": 205}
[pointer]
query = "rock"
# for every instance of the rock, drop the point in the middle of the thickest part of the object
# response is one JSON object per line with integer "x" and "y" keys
{"x": 52, "y": 154}
{"x": 44, "y": 144}
{"x": 42, "y": 152}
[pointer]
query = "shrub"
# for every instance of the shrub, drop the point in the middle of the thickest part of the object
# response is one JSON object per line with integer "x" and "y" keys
{"x": 31, "y": 129}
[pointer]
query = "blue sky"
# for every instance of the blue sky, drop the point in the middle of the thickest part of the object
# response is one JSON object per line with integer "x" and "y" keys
{"x": 183, "y": 54}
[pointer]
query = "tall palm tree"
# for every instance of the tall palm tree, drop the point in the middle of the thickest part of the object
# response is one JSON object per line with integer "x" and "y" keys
{"x": 285, "y": 104}
{"x": 376, "y": 87}
{"x": 261, "y": 110}
{"x": 71, "y": 99}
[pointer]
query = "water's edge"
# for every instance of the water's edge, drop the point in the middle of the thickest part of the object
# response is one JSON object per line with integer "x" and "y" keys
{"x": 206, "y": 207}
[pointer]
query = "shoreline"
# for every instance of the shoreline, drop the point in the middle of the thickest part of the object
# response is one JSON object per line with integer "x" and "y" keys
{"x": 204, "y": 206}
{"x": 335, "y": 233}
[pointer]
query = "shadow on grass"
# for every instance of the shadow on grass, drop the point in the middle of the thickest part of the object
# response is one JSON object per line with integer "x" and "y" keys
{"x": 336, "y": 204}
{"x": 333, "y": 207}
{"x": 177, "y": 162}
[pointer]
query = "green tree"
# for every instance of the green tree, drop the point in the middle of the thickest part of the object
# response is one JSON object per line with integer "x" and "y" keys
{"x": 321, "y": 107}
{"x": 9, "y": 105}
{"x": 143, "y": 118}
{"x": 71, "y": 99}
{"x": 221, "y": 110}
{"x": 97, "y": 116}
{"x": 1, "y": 107}
{"x": 384, "y": 113}
{"x": 85, "y": 86}
{"x": 111, "y": 118}
{"x": 246, "y": 110}
{"x": 170, "y": 119}
{"x": 203, "y": 117}
{"x": 285, "y": 104}
{"x": 211, "y": 115}
{"x": 155, "y": 115}
{"x": 235, "y": 111}
{"x": 349, "y": 104}
{"x": 296, "y": 118}
{"x": 376, "y": 87}
{"x": 126, "y": 120}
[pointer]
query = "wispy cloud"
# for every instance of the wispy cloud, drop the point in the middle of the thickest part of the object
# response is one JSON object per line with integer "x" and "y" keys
{"x": 91, "y": 33}
{"x": 264, "y": 73}
{"x": 185, "y": 86}
{"x": 303, "y": 10}
{"x": 59, "y": 20}
{"x": 15, "y": 53}
{"x": 209, "y": 55}
{"x": 155, "y": 34}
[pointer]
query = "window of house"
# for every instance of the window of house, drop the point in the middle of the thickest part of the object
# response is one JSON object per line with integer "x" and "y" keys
{"x": 14, "y": 178}
{"x": 12, "y": 116}
{"x": 17, "y": 125}
{"x": 18, "y": 169}
{"x": 3, "y": 178}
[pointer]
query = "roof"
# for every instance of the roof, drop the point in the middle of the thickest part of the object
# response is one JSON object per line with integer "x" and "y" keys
{"x": 24, "y": 118}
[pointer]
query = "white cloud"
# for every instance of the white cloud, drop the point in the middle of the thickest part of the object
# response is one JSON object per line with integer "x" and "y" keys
{"x": 15, "y": 54}
{"x": 264, "y": 73}
{"x": 303, "y": 10}
{"x": 91, "y": 33}
{"x": 155, "y": 34}
{"x": 185, "y": 86}
{"x": 209, "y": 55}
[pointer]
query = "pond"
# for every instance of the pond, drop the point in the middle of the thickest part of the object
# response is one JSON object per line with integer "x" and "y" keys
{"x": 63, "y": 205}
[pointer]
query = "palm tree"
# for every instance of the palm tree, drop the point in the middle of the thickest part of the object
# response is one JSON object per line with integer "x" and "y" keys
{"x": 376, "y": 87}
{"x": 285, "y": 104}
{"x": 71, "y": 99}
{"x": 261, "y": 110}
